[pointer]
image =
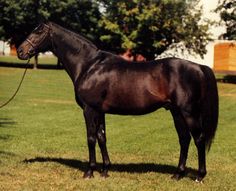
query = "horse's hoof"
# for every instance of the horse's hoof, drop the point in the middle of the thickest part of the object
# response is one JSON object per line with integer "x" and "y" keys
{"x": 104, "y": 174}
{"x": 88, "y": 175}
{"x": 200, "y": 177}
{"x": 199, "y": 180}
{"x": 177, "y": 176}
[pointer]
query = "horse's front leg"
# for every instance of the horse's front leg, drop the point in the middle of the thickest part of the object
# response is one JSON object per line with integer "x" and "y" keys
{"x": 91, "y": 119}
{"x": 101, "y": 136}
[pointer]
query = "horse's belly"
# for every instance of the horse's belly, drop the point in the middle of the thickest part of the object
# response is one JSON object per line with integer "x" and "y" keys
{"x": 132, "y": 110}
{"x": 134, "y": 105}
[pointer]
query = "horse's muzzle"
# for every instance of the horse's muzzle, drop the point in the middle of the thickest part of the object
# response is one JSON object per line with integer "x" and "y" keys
{"x": 21, "y": 55}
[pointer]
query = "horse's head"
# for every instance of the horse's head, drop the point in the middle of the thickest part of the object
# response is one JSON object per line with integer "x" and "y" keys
{"x": 37, "y": 41}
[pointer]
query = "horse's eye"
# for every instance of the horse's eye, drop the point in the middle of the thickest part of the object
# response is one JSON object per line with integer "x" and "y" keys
{"x": 39, "y": 29}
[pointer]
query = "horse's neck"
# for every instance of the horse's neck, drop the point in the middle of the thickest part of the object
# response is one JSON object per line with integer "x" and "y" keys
{"x": 72, "y": 52}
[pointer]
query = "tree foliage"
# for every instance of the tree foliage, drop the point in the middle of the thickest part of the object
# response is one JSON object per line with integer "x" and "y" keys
{"x": 19, "y": 17}
{"x": 227, "y": 9}
{"x": 152, "y": 26}
{"x": 148, "y": 27}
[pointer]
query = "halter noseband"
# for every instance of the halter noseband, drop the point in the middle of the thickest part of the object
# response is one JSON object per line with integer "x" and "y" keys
{"x": 29, "y": 41}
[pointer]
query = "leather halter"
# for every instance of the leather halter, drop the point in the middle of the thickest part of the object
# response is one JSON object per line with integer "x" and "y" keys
{"x": 41, "y": 40}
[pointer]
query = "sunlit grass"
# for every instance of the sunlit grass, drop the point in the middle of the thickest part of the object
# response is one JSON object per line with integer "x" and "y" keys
{"x": 50, "y": 59}
{"x": 43, "y": 142}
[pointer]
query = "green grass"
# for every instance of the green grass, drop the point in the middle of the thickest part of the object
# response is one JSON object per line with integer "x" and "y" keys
{"x": 51, "y": 60}
{"x": 43, "y": 142}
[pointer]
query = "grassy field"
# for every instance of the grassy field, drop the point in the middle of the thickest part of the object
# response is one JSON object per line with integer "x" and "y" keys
{"x": 43, "y": 142}
{"x": 42, "y": 60}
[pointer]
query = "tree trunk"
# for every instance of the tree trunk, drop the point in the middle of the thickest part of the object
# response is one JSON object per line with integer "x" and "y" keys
{"x": 35, "y": 61}
{"x": 59, "y": 64}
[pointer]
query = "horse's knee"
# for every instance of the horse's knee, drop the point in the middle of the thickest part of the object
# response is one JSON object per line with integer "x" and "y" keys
{"x": 91, "y": 140}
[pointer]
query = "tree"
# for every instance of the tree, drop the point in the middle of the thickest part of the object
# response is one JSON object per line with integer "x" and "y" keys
{"x": 152, "y": 26}
{"x": 148, "y": 27}
{"x": 79, "y": 16}
{"x": 227, "y": 9}
{"x": 19, "y": 17}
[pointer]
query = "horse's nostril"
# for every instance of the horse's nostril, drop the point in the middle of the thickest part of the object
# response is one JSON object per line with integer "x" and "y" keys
{"x": 21, "y": 54}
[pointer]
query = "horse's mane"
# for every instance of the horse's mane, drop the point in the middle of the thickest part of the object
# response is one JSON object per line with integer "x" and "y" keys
{"x": 74, "y": 34}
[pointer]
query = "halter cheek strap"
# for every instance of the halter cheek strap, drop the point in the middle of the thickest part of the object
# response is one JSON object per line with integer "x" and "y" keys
{"x": 32, "y": 44}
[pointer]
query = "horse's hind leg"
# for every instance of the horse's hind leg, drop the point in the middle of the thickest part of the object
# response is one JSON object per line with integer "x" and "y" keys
{"x": 101, "y": 136}
{"x": 199, "y": 139}
{"x": 184, "y": 140}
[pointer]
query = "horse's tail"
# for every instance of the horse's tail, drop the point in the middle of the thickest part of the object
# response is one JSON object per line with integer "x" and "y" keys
{"x": 210, "y": 106}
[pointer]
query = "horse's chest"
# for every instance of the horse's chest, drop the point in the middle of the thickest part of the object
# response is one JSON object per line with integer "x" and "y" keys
{"x": 93, "y": 92}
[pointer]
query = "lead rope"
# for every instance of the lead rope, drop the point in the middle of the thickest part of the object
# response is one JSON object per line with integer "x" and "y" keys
{"x": 18, "y": 88}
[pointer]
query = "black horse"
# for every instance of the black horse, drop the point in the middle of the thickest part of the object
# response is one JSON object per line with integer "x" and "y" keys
{"x": 106, "y": 83}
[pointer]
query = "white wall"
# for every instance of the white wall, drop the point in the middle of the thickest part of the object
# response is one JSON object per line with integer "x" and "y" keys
{"x": 4, "y": 48}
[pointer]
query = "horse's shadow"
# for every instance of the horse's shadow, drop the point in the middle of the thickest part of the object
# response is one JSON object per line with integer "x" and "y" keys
{"x": 6, "y": 123}
{"x": 129, "y": 167}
